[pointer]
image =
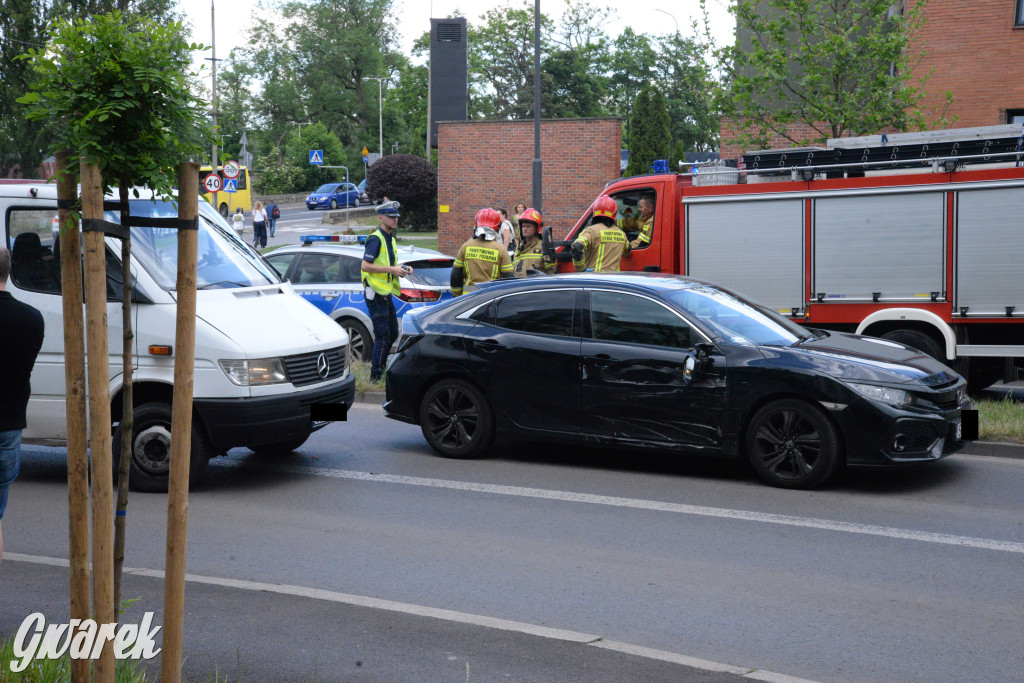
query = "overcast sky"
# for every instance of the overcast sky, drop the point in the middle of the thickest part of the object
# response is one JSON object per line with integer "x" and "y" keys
{"x": 413, "y": 17}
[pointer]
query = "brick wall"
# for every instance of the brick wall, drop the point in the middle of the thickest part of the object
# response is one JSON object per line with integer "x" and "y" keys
{"x": 490, "y": 163}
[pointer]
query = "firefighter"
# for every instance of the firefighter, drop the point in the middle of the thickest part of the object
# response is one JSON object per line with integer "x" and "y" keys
{"x": 642, "y": 224}
{"x": 602, "y": 244}
{"x": 530, "y": 255}
{"x": 483, "y": 258}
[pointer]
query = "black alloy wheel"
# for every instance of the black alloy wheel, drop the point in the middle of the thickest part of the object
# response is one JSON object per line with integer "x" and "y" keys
{"x": 456, "y": 419}
{"x": 792, "y": 444}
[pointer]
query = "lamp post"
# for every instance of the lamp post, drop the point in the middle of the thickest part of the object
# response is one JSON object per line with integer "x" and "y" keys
{"x": 538, "y": 167}
{"x": 671, "y": 15}
{"x": 380, "y": 111}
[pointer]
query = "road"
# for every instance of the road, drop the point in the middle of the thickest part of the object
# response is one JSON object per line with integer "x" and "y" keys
{"x": 910, "y": 575}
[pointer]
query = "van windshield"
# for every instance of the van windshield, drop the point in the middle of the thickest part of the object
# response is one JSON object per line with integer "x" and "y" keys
{"x": 224, "y": 260}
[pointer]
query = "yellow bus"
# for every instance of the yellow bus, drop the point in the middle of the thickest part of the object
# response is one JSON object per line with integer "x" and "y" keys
{"x": 227, "y": 202}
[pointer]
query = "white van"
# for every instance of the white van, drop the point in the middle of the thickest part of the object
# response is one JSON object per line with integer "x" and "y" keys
{"x": 266, "y": 361}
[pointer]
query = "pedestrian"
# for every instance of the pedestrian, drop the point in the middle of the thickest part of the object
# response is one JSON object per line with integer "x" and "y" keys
{"x": 530, "y": 256}
{"x": 506, "y": 233}
{"x": 21, "y": 337}
{"x": 482, "y": 258}
{"x": 259, "y": 226}
{"x": 238, "y": 221}
{"x": 381, "y": 284}
{"x": 518, "y": 211}
{"x": 602, "y": 244}
{"x": 273, "y": 213}
{"x": 643, "y": 224}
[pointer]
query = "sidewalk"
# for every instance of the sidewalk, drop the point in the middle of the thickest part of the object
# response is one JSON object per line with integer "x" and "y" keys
{"x": 240, "y": 634}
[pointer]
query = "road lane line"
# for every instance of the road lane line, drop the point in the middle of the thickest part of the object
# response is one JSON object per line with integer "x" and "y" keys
{"x": 445, "y": 615}
{"x": 653, "y": 505}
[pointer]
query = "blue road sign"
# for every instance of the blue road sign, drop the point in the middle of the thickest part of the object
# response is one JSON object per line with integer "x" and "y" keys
{"x": 316, "y": 156}
{"x": 365, "y": 158}
{"x": 230, "y": 185}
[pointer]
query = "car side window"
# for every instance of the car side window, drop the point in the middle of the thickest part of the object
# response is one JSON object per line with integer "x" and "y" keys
{"x": 621, "y": 317}
{"x": 351, "y": 270}
{"x": 35, "y": 266}
{"x": 281, "y": 262}
{"x": 317, "y": 269}
{"x": 631, "y": 207}
{"x": 544, "y": 312}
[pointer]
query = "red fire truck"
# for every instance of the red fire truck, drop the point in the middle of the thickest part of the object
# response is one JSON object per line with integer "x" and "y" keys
{"x": 920, "y": 242}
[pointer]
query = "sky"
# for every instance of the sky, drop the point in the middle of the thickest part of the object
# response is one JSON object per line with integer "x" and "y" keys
{"x": 413, "y": 17}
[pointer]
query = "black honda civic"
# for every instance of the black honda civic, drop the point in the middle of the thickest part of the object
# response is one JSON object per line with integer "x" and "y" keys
{"x": 668, "y": 362}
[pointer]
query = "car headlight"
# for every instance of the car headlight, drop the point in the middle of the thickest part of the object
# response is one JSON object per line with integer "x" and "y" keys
{"x": 251, "y": 373}
{"x": 893, "y": 397}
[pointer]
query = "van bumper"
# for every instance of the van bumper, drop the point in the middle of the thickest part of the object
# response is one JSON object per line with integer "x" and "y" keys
{"x": 268, "y": 420}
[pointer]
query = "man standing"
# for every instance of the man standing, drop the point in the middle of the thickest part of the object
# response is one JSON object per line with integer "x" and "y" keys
{"x": 482, "y": 258}
{"x": 21, "y": 336}
{"x": 381, "y": 284}
{"x": 273, "y": 213}
{"x": 642, "y": 224}
{"x": 531, "y": 248}
{"x": 602, "y": 244}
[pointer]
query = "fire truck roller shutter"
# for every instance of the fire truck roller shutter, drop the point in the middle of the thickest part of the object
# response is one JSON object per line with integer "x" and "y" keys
{"x": 886, "y": 243}
{"x": 990, "y": 251}
{"x": 753, "y": 247}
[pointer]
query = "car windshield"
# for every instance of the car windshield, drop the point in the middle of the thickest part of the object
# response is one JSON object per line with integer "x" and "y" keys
{"x": 736, "y": 320}
{"x": 431, "y": 273}
{"x": 325, "y": 189}
{"x": 224, "y": 260}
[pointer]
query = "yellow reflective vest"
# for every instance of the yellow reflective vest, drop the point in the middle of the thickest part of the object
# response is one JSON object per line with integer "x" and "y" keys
{"x": 382, "y": 283}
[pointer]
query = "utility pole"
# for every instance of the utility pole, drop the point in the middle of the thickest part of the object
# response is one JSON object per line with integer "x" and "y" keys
{"x": 213, "y": 51}
{"x": 537, "y": 165}
{"x": 380, "y": 112}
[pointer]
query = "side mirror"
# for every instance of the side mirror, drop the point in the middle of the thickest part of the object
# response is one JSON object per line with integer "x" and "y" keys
{"x": 696, "y": 365}
{"x": 691, "y": 370}
{"x": 549, "y": 244}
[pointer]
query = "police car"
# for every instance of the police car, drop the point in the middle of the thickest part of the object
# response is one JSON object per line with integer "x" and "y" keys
{"x": 325, "y": 271}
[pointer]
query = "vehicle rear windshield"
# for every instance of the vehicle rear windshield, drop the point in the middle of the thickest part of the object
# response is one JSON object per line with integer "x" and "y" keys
{"x": 431, "y": 273}
{"x": 736, "y": 320}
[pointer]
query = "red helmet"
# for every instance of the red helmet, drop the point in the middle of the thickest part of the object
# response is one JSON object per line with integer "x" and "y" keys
{"x": 488, "y": 218}
{"x": 605, "y": 206}
{"x": 532, "y": 215}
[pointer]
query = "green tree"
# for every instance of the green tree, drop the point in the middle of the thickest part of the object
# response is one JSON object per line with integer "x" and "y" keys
{"x": 685, "y": 76}
{"x": 838, "y": 66}
{"x": 315, "y": 136}
{"x": 633, "y": 66}
{"x": 649, "y": 137}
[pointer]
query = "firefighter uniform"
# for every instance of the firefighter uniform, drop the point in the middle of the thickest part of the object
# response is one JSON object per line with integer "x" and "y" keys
{"x": 641, "y": 225}
{"x": 482, "y": 260}
{"x": 531, "y": 257}
{"x": 603, "y": 248}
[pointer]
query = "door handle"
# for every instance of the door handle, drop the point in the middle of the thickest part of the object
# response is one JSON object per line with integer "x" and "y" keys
{"x": 328, "y": 297}
{"x": 601, "y": 360}
{"x": 488, "y": 345}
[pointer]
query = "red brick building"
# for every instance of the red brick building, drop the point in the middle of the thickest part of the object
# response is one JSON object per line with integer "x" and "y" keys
{"x": 973, "y": 49}
{"x": 490, "y": 163}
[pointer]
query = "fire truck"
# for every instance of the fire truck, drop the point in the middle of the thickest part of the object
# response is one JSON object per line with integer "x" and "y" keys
{"x": 916, "y": 238}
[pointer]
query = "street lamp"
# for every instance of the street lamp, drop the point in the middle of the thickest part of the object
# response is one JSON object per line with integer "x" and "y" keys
{"x": 300, "y": 125}
{"x": 671, "y": 15}
{"x": 380, "y": 110}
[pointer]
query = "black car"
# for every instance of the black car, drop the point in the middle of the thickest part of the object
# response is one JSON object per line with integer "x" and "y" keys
{"x": 668, "y": 362}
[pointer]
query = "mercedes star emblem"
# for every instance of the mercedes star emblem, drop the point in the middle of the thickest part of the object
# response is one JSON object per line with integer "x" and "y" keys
{"x": 322, "y": 366}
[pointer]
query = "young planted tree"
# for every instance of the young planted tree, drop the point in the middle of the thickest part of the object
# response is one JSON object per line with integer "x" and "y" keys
{"x": 649, "y": 135}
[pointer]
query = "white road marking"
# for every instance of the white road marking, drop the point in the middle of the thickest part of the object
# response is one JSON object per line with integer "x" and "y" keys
{"x": 446, "y": 615}
{"x": 640, "y": 504}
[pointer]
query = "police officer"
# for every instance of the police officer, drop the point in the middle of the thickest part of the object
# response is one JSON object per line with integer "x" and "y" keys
{"x": 381, "y": 284}
{"x": 602, "y": 244}
{"x": 483, "y": 258}
{"x": 531, "y": 254}
{"x": 642, "y": 224}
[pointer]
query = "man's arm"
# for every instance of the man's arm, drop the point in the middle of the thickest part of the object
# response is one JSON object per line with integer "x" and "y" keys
{"x": 579, "y": 250}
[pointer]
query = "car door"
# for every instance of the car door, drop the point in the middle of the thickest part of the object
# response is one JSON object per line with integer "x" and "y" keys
{"x": 525, "y": 355}
{"x": 633, "y": 389}
{"x": 315, "y": 278}
{"x": 282, "y": 262}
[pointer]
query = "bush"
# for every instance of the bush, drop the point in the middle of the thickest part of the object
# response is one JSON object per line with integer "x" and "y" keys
{"x": 411, "y": 180}
{"x": 274, "y": 179}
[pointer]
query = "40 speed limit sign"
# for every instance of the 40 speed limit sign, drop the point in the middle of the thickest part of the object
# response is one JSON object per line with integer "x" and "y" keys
{"x": 212, "y": 183}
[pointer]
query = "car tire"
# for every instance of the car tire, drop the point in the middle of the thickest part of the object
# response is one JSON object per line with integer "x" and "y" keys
{"x": 921, "y": 341}
{"x": 334, "y": 204}
{"x": 151, "y": 449}
{"x": 360, "y": 341}
{"x": 280, "y": 449}
{"x": 792, "y": 444}
{"x": 456, "y": 419}
{"x": 355, "y": 203}
{"x": 311, "y": 208}
{"x": 223, "y": 208}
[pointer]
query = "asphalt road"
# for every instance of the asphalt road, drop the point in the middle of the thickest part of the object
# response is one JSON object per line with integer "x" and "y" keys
{"x": 909, "y": 575}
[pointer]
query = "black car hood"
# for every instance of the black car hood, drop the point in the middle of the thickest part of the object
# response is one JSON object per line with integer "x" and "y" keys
{"x": 857, "y": 358}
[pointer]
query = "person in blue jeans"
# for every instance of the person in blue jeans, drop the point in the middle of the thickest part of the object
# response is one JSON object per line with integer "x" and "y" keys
{"x": 21, "y": 337}
{"x": 381, "y": 274}
{"x": 273, "y": 213}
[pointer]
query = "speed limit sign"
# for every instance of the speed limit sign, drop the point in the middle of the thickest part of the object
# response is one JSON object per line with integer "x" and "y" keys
{"x": 231, "y": 169}
{"x": 212, "y": 183}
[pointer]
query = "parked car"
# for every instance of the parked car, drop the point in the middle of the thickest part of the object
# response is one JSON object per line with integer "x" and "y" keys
{"x": 333, "y": 195}
{"x": 664, "y": 361}
{"x": 363, "y": 197}
{"x": 328, "y": 276}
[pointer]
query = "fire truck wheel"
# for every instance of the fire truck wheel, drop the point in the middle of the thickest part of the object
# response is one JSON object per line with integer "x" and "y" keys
{"x": 792, "y": 444}
{"x": 919, "y": 340}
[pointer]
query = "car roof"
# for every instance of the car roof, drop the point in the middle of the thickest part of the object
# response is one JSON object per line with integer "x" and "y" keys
{"x": 403, "y": 253}
{"x": 657, "y": 282}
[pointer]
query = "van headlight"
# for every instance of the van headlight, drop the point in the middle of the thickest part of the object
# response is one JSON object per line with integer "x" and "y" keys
{"x": 893, "y": 397}
{"x": 251, "y": 373}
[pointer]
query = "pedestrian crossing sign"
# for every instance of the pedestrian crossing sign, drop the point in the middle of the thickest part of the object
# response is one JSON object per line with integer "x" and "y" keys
{"x": 230, "y": 185}
{"x": 316, "y": 156}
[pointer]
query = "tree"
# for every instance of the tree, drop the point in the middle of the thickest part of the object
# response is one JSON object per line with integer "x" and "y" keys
{"x": 649, "y": 137}
{"x": 315, "y": 136}
{"x": 837, "y": 66}
{"x": 686, "y": 77}
{"x": 411, "y": 180}
{"x": 632, "y": 66}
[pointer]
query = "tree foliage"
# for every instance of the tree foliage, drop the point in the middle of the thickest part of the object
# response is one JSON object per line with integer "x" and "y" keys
{"x": 649, "y": 136}
{"x": 838, "y": 66}
{"x": 411, "y": 180}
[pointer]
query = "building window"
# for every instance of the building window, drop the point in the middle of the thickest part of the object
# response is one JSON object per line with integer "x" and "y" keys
{"x": 1019, "y": 20}
{"x": 1015, "y": 115}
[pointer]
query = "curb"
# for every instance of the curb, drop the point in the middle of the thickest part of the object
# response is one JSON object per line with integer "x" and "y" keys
{"x": 370, "y": 397}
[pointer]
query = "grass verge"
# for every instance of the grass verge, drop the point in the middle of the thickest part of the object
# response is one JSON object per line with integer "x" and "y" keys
{"x": 361, "y": 371}
{"x": 59, "y": 670}
{"x": 1001, "y": 420}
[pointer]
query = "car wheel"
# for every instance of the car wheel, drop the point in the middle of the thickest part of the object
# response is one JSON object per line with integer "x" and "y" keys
{"x": 334, "y": 203}
{"x": 279, "y": 449}
{"x": 919, "y": 340}
{"x": 311, "y": 208}
{"x": 355, "y": 203}
{"x": 456, "y": 419}
{"x": 792, "y": 444}
{"x": 223, "y": 210}
{"x": 151, "y": 448}
{"x": 359, "y": 340}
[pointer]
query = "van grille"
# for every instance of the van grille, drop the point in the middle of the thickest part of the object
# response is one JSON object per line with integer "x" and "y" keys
{"x": 303, "y": 368}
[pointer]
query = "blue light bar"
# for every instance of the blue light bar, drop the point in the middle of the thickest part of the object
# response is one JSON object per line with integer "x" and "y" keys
{"x": 337, "y": 239}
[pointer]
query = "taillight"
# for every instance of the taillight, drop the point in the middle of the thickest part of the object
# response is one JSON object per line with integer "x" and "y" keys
{"x": 419, "y": 295}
